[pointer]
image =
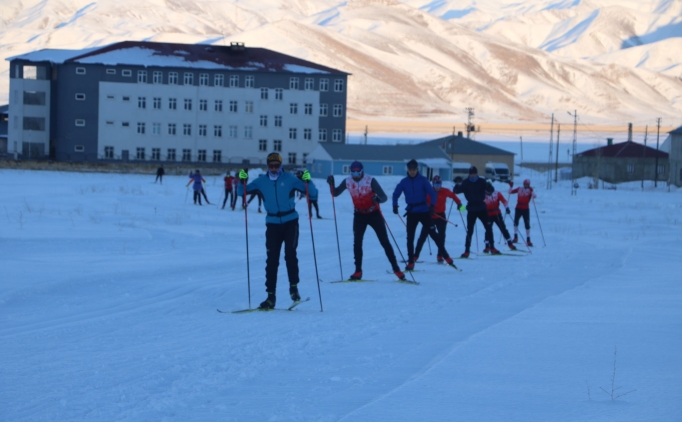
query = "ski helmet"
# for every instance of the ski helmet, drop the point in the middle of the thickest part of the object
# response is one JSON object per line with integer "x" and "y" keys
{"x": 489, "y": 187}
{"x": 526, "y": 183}
{"x": 436, "y": 180}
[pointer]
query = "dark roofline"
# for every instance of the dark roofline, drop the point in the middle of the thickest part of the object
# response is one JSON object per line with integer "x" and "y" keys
{"x": 627, "y": 149}
{"x": 468, "y": 143}
{"x": 361, "y": 152}
{"x": 677, "y": 131}
{"x": 4, "y": 109}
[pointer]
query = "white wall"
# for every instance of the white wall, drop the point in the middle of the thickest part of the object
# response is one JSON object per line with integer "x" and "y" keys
{"x": 18, "y": 110}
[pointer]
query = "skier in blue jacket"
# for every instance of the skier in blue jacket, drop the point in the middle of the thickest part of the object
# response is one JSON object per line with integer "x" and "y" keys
{"x": 416, "y": 187}
{"x": 278, "y": 190}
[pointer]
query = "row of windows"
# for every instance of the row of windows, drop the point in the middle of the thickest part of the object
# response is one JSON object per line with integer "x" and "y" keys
{"x": 171, "y": 154}
{"x": 631, "y": 168}
{"x": 386, "y": 170}
{"x": 219, "y": 79}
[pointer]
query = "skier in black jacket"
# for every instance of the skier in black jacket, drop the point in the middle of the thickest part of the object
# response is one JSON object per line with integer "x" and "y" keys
{"x": 473, "y": 189}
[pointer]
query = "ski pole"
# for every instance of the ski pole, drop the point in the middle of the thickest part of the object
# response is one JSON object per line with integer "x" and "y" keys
{"x": 401, "y": 219}
{"x": 248, "y": 268}
{"x": 186, "y": 193}
{"x": 540, "y": 225}
{"x": 394, "y": 241}
{"x": 338, "y": 246}
{"x": 310, "y": 219}
{"x": 446, "y": 220}
{"x": 476, "y": 230}
{"x": 524, "y": 241}
{"x": 429, "y": 242}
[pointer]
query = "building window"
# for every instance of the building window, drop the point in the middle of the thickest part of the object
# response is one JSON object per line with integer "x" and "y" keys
{"x": 111, "y": 97}
{"x": 125, "y": 98}
{"x": 109, "y": 151}
{"x": 170, "y": 156}
{"x": 338, "y": 85}
{"x": 263, "y": 93}
{"x": 305, "y": 158}
{"x": 307, "y": 134}
{"x": 186, "y": 155}
{"x": 248, "y": 132}
{"x": 292, "y": 133}
{"x": 337, "y": 135}
{"x": 323, "y": 135}
{"x": 202, "y": 130}
{"x": 140, "y": 153}
{"x": 279, "y": 94}
{"x": 79, "y": 71}
{"x": 293, "y": 83}
{"x": 110, "y": 122}
{"x": 249, "y": 107}
{"x": 219, "y": 80}
{"x": 111, "y": 71}
{"x": 127, "y": 73}
{"x": 631, "y": 168}
{"x": 233, "y": 107}
{"x": 79, "y": 97}
{"x": 308, "y": 109}
{"x": 79, "y": 148}
{"x": 156, "y": 128}
{"x": 234, "y": 81}
{"x": 141, "y": 102}
{"x": 218, "y": 105}
{"x": 172, "y": 78}
{"x": 278, "y": 121}
{"x": 233, "y": 131}
{"x": 141, "y": 128}
{"x": 172, "y": 104}
{"x": 39, "y": 98}
{"x": 157, "y": 103}
{"x": 203, "y": 105}
{"x": 292, "y": 158}
{"x": 338, "y": 110}
{"x": 172, "y": 129}
{"x": 293, "y": 108}
{"x": 141, "y": 76}
{"x": 249, "y": 82}
{"x": 324, "y": 84}
{"x": 203, "y": 79}
{"x": 345, "y": 169}
{"x": 661, "y": 170}
{"x": 201, "y": 155}
{"x": 188, "y": 78}
{"x": 157, "y": 77}
{"x": 79, "y": 122}
{"x": 262, "y": 145}
{"x": 218, "y": 131}
{"x": 263, "y": 121}
{"x": 187, "y": 129}
{"x": 387, "y": 170}
{"x": 125, "y": 124}
{"x": 188, "y": 104}
{"x": 277, "y": 145}
{"x": 217, "y": 156}
{"x": 309, "y": 83}
{"x": 156, "y": 154}
{"x": 324, "y": 110}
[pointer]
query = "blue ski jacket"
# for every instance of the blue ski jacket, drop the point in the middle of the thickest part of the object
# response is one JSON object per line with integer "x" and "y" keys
{"x": 279, "y": 196}
{"x": 415, "y": 190}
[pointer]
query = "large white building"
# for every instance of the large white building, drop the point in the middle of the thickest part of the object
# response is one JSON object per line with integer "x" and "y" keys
{"x": 151, "y": 101}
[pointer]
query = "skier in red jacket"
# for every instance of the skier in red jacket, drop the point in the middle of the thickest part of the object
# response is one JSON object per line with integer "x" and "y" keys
{"x": 524, "y": 196}
{"x": 438, "y": 216}
{"x": 492, "y": 202}
{"x": 228, "y": 188}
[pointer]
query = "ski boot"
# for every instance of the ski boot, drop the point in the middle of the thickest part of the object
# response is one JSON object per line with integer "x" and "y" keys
{"x": 439, "y": 259}
{"x": 528, "y": 242}
{"x": 515, "y": 239}
{"x": 486, "y": 250}
{"x": 494, "y": 251}
{"x": 356, "y": 276}
{"x": 511, "y": 245}
{"x": 293, "y": 292}
{"x": 259, "y": 211}
{"x": 400, "y": 275}
{"x": 465, "y": 254}
{"x": 268, "y": 303}
{"x": 409, "y": 266}
{"x": 449, "y": 261}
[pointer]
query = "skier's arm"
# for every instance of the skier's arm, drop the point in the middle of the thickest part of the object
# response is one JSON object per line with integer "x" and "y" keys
{"x": 451, "y": 195}
{"x": 515, "y": 190}
{"x": 431, "y": 194}
{"x": 339, "y": 189}
{"x": 396, "y": 193}
{"x": 378, "y": 192}
{"x": 502, "y": 199}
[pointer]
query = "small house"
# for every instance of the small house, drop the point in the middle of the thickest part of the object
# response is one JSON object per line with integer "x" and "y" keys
{"x": 673, "y": 146}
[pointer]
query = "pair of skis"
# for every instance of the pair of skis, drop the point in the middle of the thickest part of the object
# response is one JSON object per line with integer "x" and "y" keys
{"x": 244, "y": 311}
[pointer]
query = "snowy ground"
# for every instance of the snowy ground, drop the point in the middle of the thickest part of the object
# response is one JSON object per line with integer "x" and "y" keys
{"x": 110, "y": 285}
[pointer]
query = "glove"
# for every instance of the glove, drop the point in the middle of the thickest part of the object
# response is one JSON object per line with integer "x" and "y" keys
{"x": 462, "y": 207}
{"x": 330, "y": 179}
{"x": 431, "y": 210}
{"x": 508, "y": 210}
{"x": 243, "y": 175}
{"x": 375, "y": 199}
{"x": 306, "y": 176}
{"x": 511, "y": 184}
{"x": 395, "y": 209}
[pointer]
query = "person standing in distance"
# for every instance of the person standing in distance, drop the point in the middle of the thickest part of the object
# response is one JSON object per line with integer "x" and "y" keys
{"x": 229, "y": 188}
{"x": 525, "y": 194}
{"x": 197, "y": 180}
{"x": 159, "y": 175}
{"x": 366, "y": 194}
{"x": 277, "y": 188}
{"x": 416, "y": 188}
{"x": 473, "y": 188}
{"x": 312, "y": 199}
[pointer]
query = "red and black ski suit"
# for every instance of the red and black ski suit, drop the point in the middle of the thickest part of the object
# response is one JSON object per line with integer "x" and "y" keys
{"x": 524, "y": 196}
{"x": 438, "y": 218}
{"x": 492, "y": 202}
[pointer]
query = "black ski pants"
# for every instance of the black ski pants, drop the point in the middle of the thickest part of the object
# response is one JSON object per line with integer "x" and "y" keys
{"x": 499, "y": 220}
{"x": 253, "y": 195}
{"x": 203, "y": 192}
{"x": 441, "y": 225}
{"x": 228, "y": 194}
{"x": 159, "y": 178}
{"x": 197, "y": 196}
{"x": 413, "y": 219}
{"x": 310, "y": 208}
{"x": 471, "y": 226}
{"x": 375, "y": 220}
{"x": 518, "y": 213}
{"x": 275, "y": 235}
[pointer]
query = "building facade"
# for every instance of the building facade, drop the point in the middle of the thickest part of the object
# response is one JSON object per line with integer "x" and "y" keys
{"x": 675, "y": 156}
{"x": 150, "y": 101}
{"x": 621, "y": 162}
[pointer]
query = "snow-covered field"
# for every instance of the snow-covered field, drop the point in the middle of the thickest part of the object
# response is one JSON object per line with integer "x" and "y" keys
{"x": 110, "y": 285}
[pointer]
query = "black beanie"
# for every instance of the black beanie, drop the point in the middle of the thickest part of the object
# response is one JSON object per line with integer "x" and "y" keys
{"x": 412, "y": 164}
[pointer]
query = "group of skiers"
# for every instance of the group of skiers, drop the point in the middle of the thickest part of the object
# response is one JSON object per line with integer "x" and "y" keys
{"x": 425, "y": 204}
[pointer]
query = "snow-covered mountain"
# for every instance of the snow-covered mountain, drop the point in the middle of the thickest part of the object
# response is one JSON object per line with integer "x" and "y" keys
{"x": 613, "y": 61}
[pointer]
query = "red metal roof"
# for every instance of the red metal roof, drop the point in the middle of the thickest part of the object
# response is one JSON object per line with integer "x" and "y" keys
{"x": 627, "y": 149}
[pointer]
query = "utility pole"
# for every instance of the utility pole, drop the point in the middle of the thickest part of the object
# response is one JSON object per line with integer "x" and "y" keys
{"x": 549, "y": 166}
{"x": 470, "y": 115}
{"x": 521, "y": 138}
{"x": 366, "y": 135}
{"x": 574, "y": 190}
{"x": 646, "y": 133}
{"x": 658, "y": 133}
{"x": 556, "y": 169}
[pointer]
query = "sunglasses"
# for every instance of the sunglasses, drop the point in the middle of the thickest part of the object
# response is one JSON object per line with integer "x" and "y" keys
{"x": 274, "y": 166}
{"x": 356, "y": 173}
{"x": 437, "y": 185}
{"x": 412, "y": 169}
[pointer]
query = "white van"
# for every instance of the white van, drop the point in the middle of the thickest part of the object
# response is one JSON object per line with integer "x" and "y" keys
{"x": 497, "y": 172}
{"x": 460, "y": 169}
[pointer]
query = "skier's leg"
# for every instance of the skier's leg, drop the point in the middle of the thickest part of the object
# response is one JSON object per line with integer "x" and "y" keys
{"x": 290, "y": 245}
{"x": 471, "y": 224}
{"x": 412, "y": 221}
{"x": 423, "y": 234}
{"x": 517, "y": 217}
{"x": 227, "y": 193}
{"x": 360, "y": 222}
{"x": 441, "y": 225}
{"x": 488, "y": 225}
{"x": 435, "y": 235}
{"x": 274, "y": 237}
